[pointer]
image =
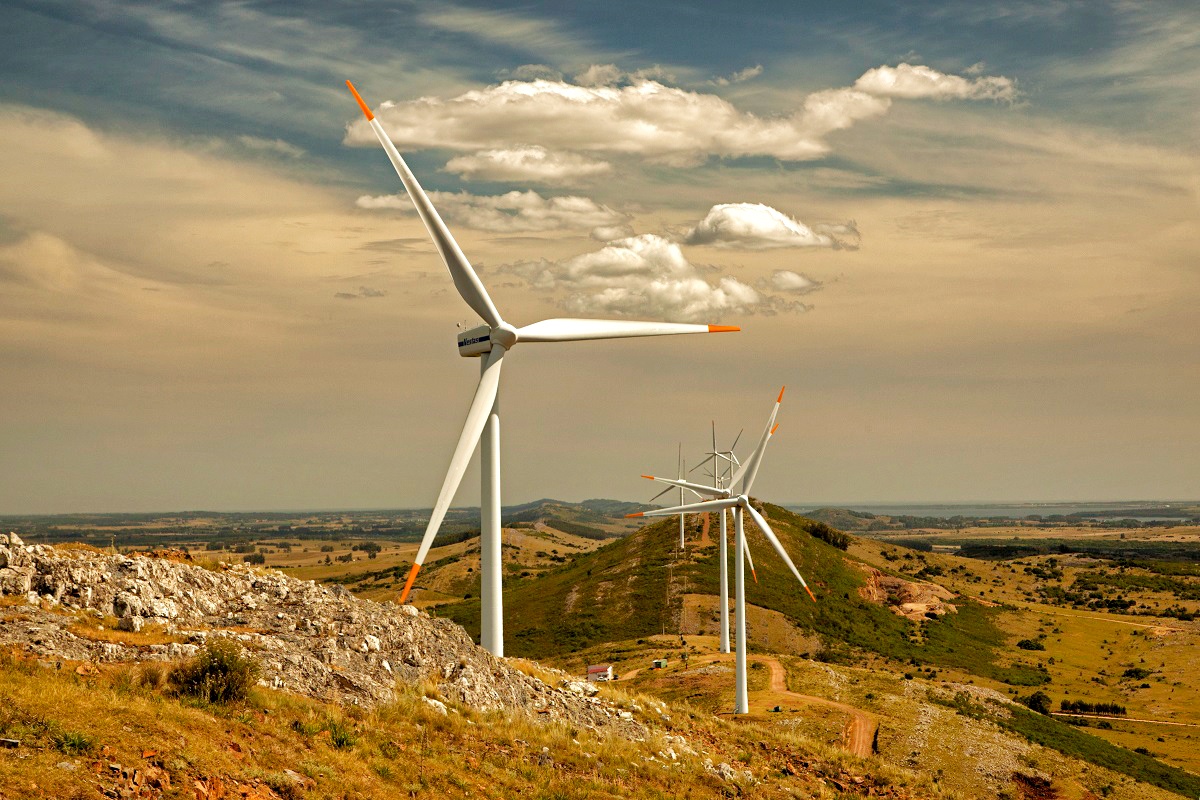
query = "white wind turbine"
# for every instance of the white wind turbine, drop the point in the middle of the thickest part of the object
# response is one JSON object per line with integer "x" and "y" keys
{"x": 742, "y": 481}
{"x": 490, "y": 342}
{"x": 680, "y": 471}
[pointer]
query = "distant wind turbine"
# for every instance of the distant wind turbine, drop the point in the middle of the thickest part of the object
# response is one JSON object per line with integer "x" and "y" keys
{"x": 490, "y": 342}
{"x": 742, "y": 481}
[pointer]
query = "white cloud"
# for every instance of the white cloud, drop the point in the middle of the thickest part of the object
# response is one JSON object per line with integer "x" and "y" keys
{"x": 606, "y": 233}
{"x": 648, "y": 118}
{"x": 510, "y": 212}
{"x": 527, "y": 164}
{"x": 649, "y": 277}
{"x": 753, "y": 226}
{"x": 644, "y": 276}
{"x": 787, "y": 281}
{"x": 916, "y": 82}
{"x": 599, "y": 75}
{"x": 741, "y": 76}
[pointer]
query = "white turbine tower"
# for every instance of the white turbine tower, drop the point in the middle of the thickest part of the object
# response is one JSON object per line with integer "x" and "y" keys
{"x": 680, "y": 471}
{"x": 490, "y": 342}
{"x": 723, "y": 463}
{"x": 742, "y": 481}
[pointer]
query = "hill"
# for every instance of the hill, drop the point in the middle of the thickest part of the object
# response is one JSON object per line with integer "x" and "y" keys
{"x": 635, "y": 588}
{"x": 356, "y": 700}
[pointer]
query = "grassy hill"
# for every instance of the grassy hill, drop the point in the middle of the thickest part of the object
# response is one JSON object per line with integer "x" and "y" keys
{"x": 633, "y": 588}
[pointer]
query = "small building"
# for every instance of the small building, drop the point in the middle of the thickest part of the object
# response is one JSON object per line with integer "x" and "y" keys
{"x": 600, "y": 672}
{"x": 659, "y": 663}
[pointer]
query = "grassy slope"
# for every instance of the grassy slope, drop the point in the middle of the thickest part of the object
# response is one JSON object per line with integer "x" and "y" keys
{"x": 72, "y": 727}
{"x": 631, "y": 589}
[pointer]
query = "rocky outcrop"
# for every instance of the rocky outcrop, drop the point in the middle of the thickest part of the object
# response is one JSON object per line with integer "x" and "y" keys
{"x": 914, "y": 601}
{"x": 311, "y": 639}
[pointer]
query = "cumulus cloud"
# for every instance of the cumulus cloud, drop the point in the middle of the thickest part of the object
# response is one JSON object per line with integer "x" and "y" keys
{"x": 606, "y": 233}
{"x": 918, "y": 82}
{"x": 753, "y": 226}
{"x": 607, "y": 111}
{"x": 533, "y": 164}
{"x": 513, "y": 212}
{"x": 643, "y": 276}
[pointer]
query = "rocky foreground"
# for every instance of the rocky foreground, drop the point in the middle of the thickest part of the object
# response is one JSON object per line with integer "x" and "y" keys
{"x": 310, "y": 639}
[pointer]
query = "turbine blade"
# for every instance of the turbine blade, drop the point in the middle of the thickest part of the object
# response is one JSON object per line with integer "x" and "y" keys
{"x": 660, "y": 494}
{"x": 733, "y": 446}
{"x": 691, "y": 508}
{"x": 465, "y": 280}
{"x": 749, "y": 470}
{"x": 696, "y": 487}
{"x": 749, "y": 558}
{"x": 573, "y": 330}
{"x": 477, "y": 416}
{"x": 761, "y": 522}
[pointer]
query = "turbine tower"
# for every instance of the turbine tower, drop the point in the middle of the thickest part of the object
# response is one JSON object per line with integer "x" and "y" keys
{"x": 742, "y": 481}
{"x": 490, "y": 342}
{"x": 722, "y": 464}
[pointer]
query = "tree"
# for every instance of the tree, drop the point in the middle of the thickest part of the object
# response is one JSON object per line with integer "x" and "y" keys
{"x": 1038, "y": 701}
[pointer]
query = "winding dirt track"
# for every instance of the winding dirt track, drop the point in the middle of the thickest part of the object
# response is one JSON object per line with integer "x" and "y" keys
{"x": 858, "y": 736}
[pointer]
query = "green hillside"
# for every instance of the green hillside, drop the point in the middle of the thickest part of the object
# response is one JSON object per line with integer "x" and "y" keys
{"x": 633, "y": 588}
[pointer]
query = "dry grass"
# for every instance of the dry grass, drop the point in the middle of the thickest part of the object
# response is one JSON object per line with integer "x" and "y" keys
{"x": 407, "y": 748}
{"x": 105, "y": 630}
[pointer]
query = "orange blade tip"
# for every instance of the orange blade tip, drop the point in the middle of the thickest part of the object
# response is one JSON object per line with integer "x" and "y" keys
{"x": 775, "y": 429}
{"x": 810, "y": 594}
{"x": 648, "y": 477}
{"x": 638, "y": 514}
{"x": 361, "y": 103}
{"x": 412, "y": 576}
{"x": 780, "y": 398}
{"x": 722, "y": 328}
{"x": 754, "y": 575}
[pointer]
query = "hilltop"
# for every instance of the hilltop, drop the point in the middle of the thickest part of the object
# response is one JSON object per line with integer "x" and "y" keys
{"x": 639, "y": 587}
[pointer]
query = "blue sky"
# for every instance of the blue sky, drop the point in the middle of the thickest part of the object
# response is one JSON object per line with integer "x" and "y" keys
{"x": 964, "y": 235}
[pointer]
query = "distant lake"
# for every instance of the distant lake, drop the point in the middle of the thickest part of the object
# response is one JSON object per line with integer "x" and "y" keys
{"x": 1015, "y": 510}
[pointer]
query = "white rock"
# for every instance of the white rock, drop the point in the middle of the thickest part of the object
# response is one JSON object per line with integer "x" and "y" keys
{"x": 436, "y": 705}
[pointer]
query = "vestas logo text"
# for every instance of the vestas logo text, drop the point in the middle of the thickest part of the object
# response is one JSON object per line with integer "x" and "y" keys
{"x": 476, "y": 340}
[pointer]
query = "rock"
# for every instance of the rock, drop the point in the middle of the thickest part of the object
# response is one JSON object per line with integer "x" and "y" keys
{"x": 585, "y": 688}
{"x": 436, "y": 705}
{"x": 340, "y": 648}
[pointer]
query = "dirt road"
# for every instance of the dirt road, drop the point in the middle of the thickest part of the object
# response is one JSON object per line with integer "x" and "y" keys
{"x": 858, "y": 736}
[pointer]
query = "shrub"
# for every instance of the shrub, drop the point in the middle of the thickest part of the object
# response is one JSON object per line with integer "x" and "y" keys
{"x": 1038, "y": 701}
{"x": 220, "y": 673}
{"x": 341, "y": 734}
{"x": 73, "y": 743}
{"x": 1031, "y": 644}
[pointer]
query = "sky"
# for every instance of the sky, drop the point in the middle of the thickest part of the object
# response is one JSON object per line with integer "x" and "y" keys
{"x": 965, "y": 236}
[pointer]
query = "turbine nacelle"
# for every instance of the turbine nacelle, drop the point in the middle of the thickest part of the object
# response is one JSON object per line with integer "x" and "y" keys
{"x": 478, "y": 341}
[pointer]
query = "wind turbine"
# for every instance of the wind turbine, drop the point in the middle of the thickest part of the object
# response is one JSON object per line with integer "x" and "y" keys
{"x": 742, "y": 481}
{"x": 681, "y": 467}
{"x": 489, "y": 342}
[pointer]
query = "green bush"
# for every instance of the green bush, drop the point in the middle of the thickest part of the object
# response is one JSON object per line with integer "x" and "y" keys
{"x": 220, "y": 673}
{"x": 1038, "y": 701}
